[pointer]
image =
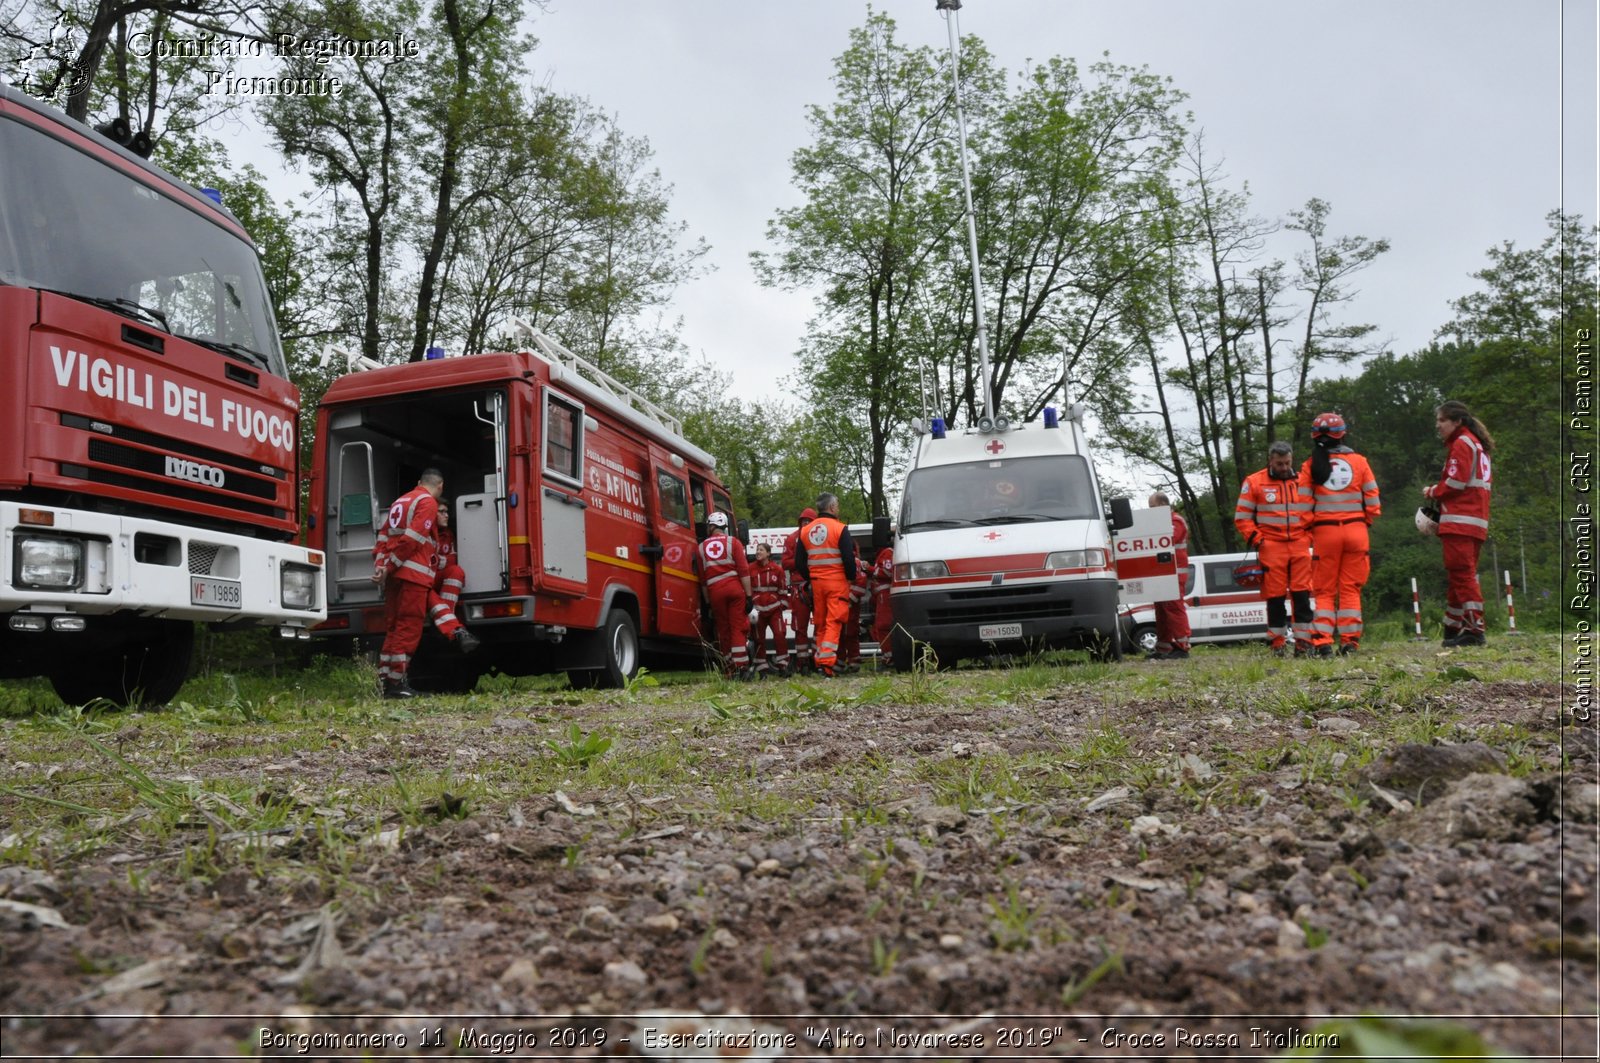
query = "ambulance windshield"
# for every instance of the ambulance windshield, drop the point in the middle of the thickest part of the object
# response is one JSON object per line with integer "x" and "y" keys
{"x": 74, "y": 225}
{"x": 1007, "y": 491}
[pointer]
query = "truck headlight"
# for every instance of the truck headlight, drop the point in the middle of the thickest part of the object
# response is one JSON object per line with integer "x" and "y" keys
{"x": 298, "y": 588}
{"x": 49, "y": 564}
{"x": 1076, "y": 559}
{"x": 921, "y": 570}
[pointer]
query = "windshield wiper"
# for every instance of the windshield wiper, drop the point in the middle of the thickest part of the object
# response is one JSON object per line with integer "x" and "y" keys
{"x": 238, "y": 350}
{"x": 125, "y": 307}
{"x": 1016, "y": 518}
{"x": 943, "y": 522}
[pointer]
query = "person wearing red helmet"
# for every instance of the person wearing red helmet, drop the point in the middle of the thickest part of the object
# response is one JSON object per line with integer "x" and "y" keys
{"x": 799, "y": 595}
{"x": 1272, "y": 516}
{"x": 1462, "y": 496}
{"x": 725, "y": 583}
{"x": 1344, "y": 503}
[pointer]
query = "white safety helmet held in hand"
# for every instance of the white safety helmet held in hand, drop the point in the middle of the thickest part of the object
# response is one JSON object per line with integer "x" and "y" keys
{"x": 1428, "y": 520}
{"x": 718, "y": 520}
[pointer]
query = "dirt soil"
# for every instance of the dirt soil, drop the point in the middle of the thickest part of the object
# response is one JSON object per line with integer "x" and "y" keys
{"x": 952, "y": 872}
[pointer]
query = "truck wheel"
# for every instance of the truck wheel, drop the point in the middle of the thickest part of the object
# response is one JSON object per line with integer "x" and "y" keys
{"x": 619, "y": 644}
{"x": 1143, "y": 639}
{"x": 145, "y": 671}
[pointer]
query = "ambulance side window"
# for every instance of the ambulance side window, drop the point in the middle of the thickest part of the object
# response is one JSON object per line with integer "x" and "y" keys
{"x": 1219, "y": 577}
{"x": 563, "y": 439}
{"x": 674, "y": 498}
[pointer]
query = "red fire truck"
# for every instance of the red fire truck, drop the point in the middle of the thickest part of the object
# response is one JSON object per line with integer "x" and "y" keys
{"x": 148, "y": 469}
{"x": 576, "y": 505}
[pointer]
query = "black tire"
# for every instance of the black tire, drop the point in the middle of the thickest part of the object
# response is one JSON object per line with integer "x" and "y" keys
{"x": 619, "y": 646}
{"x": 1106, "y": 647}
{"x": 144, "y": 670}
{"x": 1143, "y": 639}
{"x": 902, "y": 648}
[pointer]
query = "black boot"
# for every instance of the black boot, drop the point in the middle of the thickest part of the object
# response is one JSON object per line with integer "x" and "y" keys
{"x": 466, "y": 641}
{"x": 398, "y": 688}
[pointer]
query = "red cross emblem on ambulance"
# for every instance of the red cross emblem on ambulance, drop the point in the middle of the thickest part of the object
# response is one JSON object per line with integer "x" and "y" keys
{"x": 995, "y": 446}
{"x": 994, "y": 535}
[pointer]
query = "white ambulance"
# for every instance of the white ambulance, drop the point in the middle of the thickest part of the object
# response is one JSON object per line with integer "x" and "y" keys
{"x": 1005, "y": 545}
{"x": 1219, "y": 609}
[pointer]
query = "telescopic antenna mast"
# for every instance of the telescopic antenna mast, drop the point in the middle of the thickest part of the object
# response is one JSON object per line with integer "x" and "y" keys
{"x": 951, "y": 9}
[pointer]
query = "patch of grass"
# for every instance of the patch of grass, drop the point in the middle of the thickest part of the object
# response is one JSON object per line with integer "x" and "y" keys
{"x": 579, "y": 748}
{"x": 1075, "y": 989}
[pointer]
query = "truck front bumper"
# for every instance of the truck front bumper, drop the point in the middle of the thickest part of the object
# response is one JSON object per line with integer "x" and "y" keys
{"x": 1047, "y": 614}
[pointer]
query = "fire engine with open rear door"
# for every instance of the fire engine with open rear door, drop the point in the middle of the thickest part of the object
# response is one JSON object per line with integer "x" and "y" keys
{"x": 577, "y": 505}
{"x": 148, "y": 464}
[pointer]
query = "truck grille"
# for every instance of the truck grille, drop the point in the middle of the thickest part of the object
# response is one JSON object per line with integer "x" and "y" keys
{"x": 133, "y": 467}
{"x": 1000, "y": 603}
{"x": 202, "y": 558}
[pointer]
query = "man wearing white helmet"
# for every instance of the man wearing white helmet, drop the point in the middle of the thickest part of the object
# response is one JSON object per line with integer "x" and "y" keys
{"x": 725, "y": 584}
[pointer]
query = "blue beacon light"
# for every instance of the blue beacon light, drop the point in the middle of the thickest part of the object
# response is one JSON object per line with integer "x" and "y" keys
{"x": 936, "y": 427}
{"x": 1050, "y": 419}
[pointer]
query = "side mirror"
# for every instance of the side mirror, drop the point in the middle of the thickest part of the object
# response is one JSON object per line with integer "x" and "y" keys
{"x": 1121, "y": 514}
{"x": 881, "y": 535}
{"x": 741, "y": 532}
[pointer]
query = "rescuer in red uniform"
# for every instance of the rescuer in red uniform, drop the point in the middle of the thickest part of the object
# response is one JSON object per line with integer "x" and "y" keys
{"x": 403, "y": 566}
{"x": 799, "y": 595}
{"x": 1462, "y": 495}
{"x": 850, "y": 638}
{"x": 1344, "y": 503}
{"x": 1273, "y": 517}
{"x": 725, "y": 582}
{"x": 447, "y": 585}
{"x": 769, "y": 585}
{"x": 1172, "y": 617}
{"x": 882, "y": 606}
{"x": 825, "y": 555}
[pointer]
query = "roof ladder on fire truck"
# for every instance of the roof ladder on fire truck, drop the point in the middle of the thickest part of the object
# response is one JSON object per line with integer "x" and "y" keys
{"x": 552, "y": 351}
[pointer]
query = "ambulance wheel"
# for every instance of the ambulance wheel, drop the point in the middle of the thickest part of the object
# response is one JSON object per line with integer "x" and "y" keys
{"x": 619, "y": 644}
{"x": 144, "y": 670}
{"x": 902, "y": 649}
{"x": 1143, "y": 639}
{"x": 1106, "y": 648}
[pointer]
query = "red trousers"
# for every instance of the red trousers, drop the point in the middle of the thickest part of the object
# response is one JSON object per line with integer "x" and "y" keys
{"x": 1463, "y": 598}
{"x": 733, "y": 623}
{"x": 769, "y": 628}
{"x": 1172, "y": 625}
{"x": 405, "y": 607}
{"x": 800, "y": 613}
{"x": 882, "y": 622}
{"x": 442, "y": 599}
{"x": 1340, "y": 565}
{"x": 830, "y": 605}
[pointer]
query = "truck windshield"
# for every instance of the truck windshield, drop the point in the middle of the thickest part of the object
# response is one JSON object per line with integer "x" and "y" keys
{"x": 1009, "y": 491}
{"x": 71, "y": 224}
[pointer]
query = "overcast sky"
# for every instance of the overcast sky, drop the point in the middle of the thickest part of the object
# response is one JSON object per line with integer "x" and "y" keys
{"x": 1440, "y": 125}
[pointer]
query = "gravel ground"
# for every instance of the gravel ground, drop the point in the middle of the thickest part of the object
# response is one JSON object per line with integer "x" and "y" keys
{"x": 1156, "y": 859}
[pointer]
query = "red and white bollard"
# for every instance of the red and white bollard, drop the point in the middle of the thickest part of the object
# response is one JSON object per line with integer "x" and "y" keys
{"x": 1416, "y": 612}
{"x": 1511, "y": 608}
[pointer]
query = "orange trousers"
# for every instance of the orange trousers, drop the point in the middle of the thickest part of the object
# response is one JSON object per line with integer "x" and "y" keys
{"x": 1340, "y": 564}
{"x": 830, "y": 612}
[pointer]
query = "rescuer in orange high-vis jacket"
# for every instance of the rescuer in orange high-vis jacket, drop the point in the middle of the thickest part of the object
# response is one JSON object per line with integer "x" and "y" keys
{"x": 799, "y": 595}
{"x": 1344, "y": 503}
{"x": 1462, "y": 495}
{"x": 403, "y": 565}
{"x": 725, "y": 582}
{"x": 1273, "y": 516}
{"x": 826, "y": 556}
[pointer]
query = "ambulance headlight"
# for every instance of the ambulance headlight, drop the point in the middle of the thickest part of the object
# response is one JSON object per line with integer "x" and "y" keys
{"x": 298, "y": 587}
{"x": 921, "y": 570}
{"x": 49, "y": 564}
{"x": 1076, "y": 559}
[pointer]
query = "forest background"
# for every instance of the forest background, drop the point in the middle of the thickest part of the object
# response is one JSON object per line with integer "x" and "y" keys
{"x": 1123, "y": 267}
